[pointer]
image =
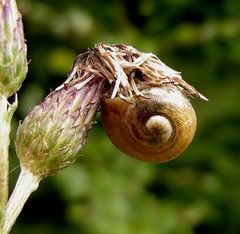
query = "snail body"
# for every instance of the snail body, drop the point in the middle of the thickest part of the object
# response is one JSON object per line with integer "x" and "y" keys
{"x": 155, "y": 127}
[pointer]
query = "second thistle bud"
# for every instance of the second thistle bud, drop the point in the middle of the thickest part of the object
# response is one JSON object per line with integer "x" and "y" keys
{"x": 51, "y": 136}
{"x": 13, "y": 50}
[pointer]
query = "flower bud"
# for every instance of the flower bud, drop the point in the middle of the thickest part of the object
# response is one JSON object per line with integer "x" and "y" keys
{"x": 13, "y": 50}
{"x": 51, "y": 136}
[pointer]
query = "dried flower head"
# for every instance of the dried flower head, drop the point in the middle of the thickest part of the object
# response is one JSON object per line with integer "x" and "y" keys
{"x": 126, "y": 69}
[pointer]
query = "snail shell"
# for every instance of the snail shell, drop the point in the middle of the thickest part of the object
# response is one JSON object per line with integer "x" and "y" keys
{"x": 154, "y": 128}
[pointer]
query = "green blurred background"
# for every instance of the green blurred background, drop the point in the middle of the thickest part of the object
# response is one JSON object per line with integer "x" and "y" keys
{"x": 105, "y": 191}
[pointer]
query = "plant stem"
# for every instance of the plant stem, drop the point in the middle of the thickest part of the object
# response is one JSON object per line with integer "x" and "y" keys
{"x": 26, "y": 184}
{"x": 4, "y": 163}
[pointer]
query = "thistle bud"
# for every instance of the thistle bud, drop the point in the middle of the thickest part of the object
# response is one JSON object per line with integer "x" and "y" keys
{"x": 51, "y": 136}
{"x": 13, "y": 50}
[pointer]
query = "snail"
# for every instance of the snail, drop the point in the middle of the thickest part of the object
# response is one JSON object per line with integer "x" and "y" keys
{"x": 154, "y": 127}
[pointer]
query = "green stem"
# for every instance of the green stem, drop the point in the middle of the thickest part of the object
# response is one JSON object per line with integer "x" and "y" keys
{"x": 4, "y": 163}
{"x": 26, "y": 184}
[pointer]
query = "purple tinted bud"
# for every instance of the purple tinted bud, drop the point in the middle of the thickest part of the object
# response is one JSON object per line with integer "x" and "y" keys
{"x": 51, "y": 136}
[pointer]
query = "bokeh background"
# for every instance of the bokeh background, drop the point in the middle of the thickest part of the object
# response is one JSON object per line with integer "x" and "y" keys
{"x": 105, "y": 191}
